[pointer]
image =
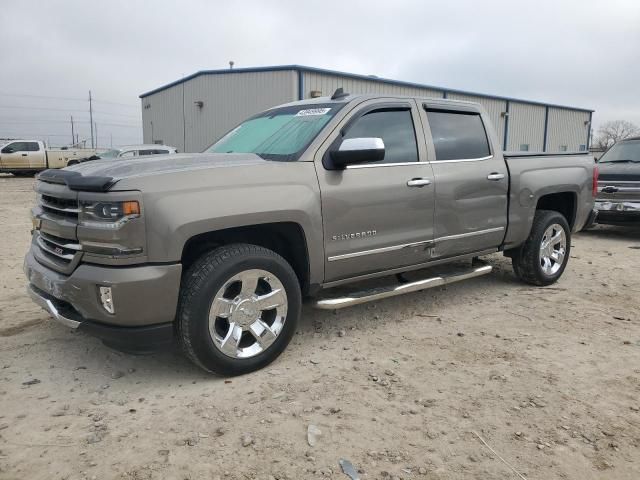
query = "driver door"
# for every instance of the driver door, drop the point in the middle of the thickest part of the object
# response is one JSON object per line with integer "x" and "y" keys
{"x": 378, "y": 215}
{"x": 15, "y": 155}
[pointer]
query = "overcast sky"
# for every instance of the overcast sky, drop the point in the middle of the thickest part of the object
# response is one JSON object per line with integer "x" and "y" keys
{"x": 581, "y": 53}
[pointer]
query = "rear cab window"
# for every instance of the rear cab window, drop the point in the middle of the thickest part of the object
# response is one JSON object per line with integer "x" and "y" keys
{"x": 458, "y": 135}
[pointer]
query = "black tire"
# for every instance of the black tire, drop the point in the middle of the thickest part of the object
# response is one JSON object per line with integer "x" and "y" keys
{"x": 526, "y": 260}
{"x": 72, "y": 162}
{"x": 200, "y": 285}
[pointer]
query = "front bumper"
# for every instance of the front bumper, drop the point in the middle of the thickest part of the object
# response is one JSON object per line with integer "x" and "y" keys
{"x": 145, "y": 299}
{"x": 617, "y": 212}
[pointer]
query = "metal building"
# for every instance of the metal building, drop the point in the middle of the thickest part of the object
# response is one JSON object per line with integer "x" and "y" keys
{"x": 193, "y": 112}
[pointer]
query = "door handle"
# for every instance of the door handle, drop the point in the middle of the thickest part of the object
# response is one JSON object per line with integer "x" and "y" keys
{"x": 495, "y": 176}
{"x": 24, "y": 154}
{"x": 418, "y": 182}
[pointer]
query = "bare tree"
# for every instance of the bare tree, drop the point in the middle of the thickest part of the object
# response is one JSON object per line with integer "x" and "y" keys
{"x": 611, "y": 132}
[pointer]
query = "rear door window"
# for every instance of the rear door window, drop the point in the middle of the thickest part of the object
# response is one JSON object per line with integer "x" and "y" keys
{"x": 32, "y": 146}
{"x": 458, "y": 135}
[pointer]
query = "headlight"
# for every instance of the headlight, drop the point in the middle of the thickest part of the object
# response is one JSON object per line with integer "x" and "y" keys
{"x": 107, "y": 214}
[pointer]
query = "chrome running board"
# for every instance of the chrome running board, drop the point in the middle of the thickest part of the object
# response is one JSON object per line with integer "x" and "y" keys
{"x": 333, "y": 303}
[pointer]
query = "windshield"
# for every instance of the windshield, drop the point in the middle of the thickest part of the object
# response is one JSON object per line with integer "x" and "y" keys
{"x": 109, "y": 154}
{"x": 626, "y": 151}
{"x": 279, "y": 134}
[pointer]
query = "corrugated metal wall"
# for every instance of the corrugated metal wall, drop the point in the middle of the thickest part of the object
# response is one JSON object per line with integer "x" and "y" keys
{"x": 327, "y": 84}
{"x": 567, "y": 128}
{"x": 230, "y": 97}
{"x": 526, "y": 126}
{"x": 162, "y": 117}
{"x": 227, "y": 99}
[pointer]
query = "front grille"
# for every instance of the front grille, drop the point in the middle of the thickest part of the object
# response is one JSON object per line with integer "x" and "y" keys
{"x": 63, "y": 207}
{"x": 60, "y": 249}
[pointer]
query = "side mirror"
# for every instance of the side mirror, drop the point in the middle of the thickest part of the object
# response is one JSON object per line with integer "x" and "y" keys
{"x": 358, "y": 150}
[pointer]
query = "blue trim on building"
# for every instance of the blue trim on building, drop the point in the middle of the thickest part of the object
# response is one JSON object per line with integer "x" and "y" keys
{"x": 506, "y": 126}
{"x": 546, "y": 126}
{"x": 300, "y": 85}
{"x": 303, "y": 69}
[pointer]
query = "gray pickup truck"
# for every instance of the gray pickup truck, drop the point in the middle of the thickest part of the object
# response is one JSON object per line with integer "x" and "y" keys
{"x": 618, "y": 200}
{"x": 218, "y": 249}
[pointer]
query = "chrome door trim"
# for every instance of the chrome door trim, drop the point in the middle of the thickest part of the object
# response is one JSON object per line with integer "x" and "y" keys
{"x": 469, "y": 234}
{"x": 460, "y": 160}
{"x": 408, "y": 268}
{"x": 372, "y": 165}
{"x": 374, "y": 251}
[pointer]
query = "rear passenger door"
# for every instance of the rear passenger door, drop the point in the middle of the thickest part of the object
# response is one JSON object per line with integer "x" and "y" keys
{"x": 471, "y": 180}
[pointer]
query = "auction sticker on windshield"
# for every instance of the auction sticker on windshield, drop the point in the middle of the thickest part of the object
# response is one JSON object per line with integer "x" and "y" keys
{"x": 312, "y": 111}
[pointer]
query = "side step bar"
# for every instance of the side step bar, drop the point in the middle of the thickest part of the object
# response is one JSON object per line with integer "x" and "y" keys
{"x": 356, "y": 298}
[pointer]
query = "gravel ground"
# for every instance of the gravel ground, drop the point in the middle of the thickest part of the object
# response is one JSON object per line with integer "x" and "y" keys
{"x": 486, "y": 379}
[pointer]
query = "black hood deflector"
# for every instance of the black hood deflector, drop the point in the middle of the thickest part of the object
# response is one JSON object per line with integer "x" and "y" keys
{"x": 76, "y": 181}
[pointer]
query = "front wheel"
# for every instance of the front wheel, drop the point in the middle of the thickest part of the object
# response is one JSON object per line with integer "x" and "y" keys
{"x": 541, "y": 260}
{"x": 239, "y": 308}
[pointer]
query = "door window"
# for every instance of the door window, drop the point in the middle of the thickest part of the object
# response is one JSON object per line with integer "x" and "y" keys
{"x": 458, "y": 135}
{"x": 32, "y": 146}
{"x": 15, "y": 147}
{"x": 394, "y": 127}
{"x": 127, "y": 154}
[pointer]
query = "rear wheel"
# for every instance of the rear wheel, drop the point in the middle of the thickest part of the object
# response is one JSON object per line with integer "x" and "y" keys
{"x": 239, "y": 308}
{"x": 544, "y": 255}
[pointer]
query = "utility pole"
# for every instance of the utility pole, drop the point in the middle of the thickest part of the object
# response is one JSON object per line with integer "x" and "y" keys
{"x": 112, "y": 140}
{"x": 73, "y": 136}
{"x": 91, "y": 118}
{"x": 96, "y": 129}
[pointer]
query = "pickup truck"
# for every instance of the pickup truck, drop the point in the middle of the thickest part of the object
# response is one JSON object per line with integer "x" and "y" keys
{"x": 618, "y": 200}
{"x": 219, "y": 249}
{"x": 27, "y": 157}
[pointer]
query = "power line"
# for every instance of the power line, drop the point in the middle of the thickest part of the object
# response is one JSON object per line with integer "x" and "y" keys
{"x": 128, "y": 105}
{"x": 51, "y": 109}
{"x": 28, "y": 122}
{"x": 74, "y": 99}
{"x": 23, "y": 134}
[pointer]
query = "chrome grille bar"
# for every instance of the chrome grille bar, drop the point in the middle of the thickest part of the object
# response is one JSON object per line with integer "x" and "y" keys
{"x": 43, "y": 245}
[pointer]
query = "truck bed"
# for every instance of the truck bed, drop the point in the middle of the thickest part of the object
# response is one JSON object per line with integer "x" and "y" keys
{"x": 531, "y": 172}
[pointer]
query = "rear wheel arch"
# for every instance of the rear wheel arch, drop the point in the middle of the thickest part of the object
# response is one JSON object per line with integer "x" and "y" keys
{"x": 565, "y": 203}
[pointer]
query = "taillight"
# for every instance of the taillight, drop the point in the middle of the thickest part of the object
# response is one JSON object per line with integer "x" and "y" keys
{"x": 594, "y": 187}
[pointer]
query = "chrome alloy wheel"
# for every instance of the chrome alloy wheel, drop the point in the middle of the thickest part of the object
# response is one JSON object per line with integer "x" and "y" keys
{"x": 553, "y": 249}
{"x": 248, "y": 313}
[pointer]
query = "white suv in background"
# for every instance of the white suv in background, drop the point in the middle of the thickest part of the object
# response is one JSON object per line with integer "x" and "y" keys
{"x": 129, "y": 151}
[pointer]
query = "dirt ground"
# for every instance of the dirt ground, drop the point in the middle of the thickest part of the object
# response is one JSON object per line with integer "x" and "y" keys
{"x": 402, "y": 388}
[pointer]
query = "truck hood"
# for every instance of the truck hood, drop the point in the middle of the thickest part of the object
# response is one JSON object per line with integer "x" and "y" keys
{"x": 119, "y": 169}
{"x": 619, "y": 171}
